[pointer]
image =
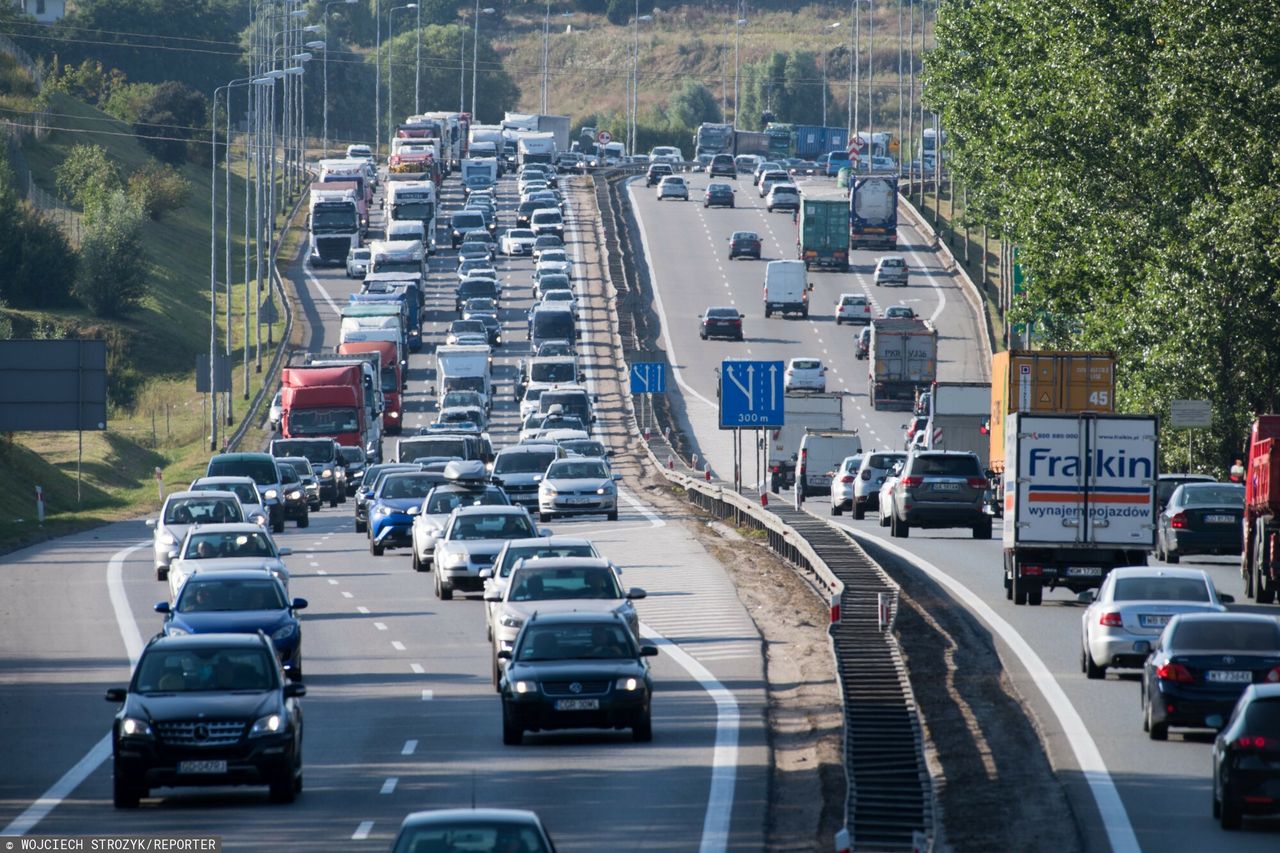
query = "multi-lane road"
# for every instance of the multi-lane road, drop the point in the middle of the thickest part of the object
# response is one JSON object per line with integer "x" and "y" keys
{"x": 1126, "y": 792}
{"x": 400, "y": 713}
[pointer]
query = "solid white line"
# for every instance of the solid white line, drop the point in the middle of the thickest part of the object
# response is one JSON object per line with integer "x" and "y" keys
{"x": 724, "y": 757}
{"x": 100, "y": 751}
{"x": 928, "y": 274}
{"x": 1111, "y": 808}
{"x": 306, "y": 269}
{"x": 362, "y": 831}
{"x": 410, "y": 747}
{"x": 389, "y": 785}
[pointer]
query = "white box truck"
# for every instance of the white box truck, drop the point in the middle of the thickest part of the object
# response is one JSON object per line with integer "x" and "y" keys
{"x": 800, "y": 413}
{"x": 1079, "y": 499}
{"x": 958, "y": 414}
{"x": 904, "y": 360}
{"x": 464, "y": 368}
{"x": 821, "y": 452}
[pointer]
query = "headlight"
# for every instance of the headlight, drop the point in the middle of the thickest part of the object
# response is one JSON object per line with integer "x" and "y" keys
{"x": 327, "y": 472}
{"x": 270, "y": 494}
{"x": 173, "y": 631}
{"x": 510, "y": 620}
{"x": 382, "y": 510}
{"x": 526, "y": 687}
{"x": 393, "y": 415}
{"x": 295, "y": 494}
{"x": 134, "y": 727}
{"x": 284, "y": 632}
{"x": 550, "y": 489}
{"x": 629, "y": 684}
{"x": 413, "y": 510}
{"x": 268, "y": 725}
{"x": 455, "y": 558}
{"x": 167, "y": 539}
{"x": 258, "y": 519}
{"x": 604, "y": 490}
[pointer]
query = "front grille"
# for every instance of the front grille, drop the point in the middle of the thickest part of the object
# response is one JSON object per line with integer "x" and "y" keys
{"x": 586, "y": 688}
{"x": 200, "y": 733}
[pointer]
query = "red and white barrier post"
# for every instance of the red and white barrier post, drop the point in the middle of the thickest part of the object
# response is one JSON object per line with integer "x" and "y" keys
{"x": 835, "y": 608}
{"x": 882, "y": 600}
{"x": 159, "y": 482}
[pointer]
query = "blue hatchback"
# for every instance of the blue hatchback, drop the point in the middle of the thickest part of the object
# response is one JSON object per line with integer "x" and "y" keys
{"x": 239, "y": 601}
{"x": 393, "y": 506}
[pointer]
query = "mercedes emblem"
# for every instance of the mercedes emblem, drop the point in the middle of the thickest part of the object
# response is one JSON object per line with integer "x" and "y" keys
{"x": 201, "y": 732}
{"x": 575, "y": 687}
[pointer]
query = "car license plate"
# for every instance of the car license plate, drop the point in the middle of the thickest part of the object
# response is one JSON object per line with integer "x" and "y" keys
{"x": 1229, "y": 676}
{"x": 1084, "y": 571}
{"x": 946, "y": 487}
{"x": 1152, "y": 621}
{"x": 579, "y": 500}
{"x": 202, "y": 767}
{"x": 1219, "y": 519}
{"x": 577, "y": 704}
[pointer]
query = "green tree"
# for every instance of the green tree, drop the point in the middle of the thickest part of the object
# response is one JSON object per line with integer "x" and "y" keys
{"x": 38, "y": 261}
{"x": 169, "y": 119}
{"x": 496, "y": 91}
{"x": 86, "y": 175}
{"x": 113, "y": 260}
{"x": 692, "y": 105}
{"x": 158, "y": 188}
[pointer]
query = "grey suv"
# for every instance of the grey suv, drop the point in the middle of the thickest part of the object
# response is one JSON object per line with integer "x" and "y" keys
{"x": 940, "y": 488}
{"x": 866, "y": 487}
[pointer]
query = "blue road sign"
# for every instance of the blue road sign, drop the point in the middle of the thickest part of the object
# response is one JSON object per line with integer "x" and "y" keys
{"x": 751, "y": 394}
{"x": 649, "y": 377}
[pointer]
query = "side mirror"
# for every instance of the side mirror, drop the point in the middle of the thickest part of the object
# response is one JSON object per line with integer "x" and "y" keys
{"x": 504, "y": 654}
{"x": 173, "y": 555}
{"x": 648, "y": 651}
{"x": 615, "y": 476}
{"x": 299, "y": 604}
{"x": 1225, "y": 598}
{"x": 116, "y": 694}
{"x": 544, "y": 531}
{"x": 1087, "y": 596}
{"x": 811, "y": 285}
{"x": 492, "y": 595}
{"x": 151, "y": 522}
{"x": 485, "y": 574}
{"x": 286, "y": 551}
{"x": 294, "y": 690}
{"x": 162, "y": 607}
{"x": 636, "y": 592}
{"x": 497, "y": 481}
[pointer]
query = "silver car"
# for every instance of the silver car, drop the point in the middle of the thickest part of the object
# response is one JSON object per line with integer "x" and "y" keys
{"x": 213, "y": 547}
{"x": 515, "y": 550}
{"x": 578, "y": 487}
{"x": 873, "y": 473}
{"x": 891, "y": 269}
{"x": 558, "y": 585}
{"x": 843, "y": 482}
{"x": 1131, "y": 609}
{"x": 470, "y": 542}
{"x": 182, "y": 511}
{"x": 245, "y": 490}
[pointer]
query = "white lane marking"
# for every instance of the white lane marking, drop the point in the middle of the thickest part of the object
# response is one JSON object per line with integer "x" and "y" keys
{"x": 1111, "y": 808}
{"x": 640, "y": 507}
{"x": 397, "y": 645}
{"x": 928, "y": 274}
{"x": 320, "y": 572}
{"x": 428, "y": 695}
{"x": 362, "y": 609}
{"x": 332, "y": 582}
{"x": 410, "y": 747}
{"x": 100, "y": 751}
{"x": 417, "y": 668}
{"x": 346, "y": 594}
{"x": 381, "y": 626}
{"x": 724, "y": 757}
{"x": 362, "y": 831}
{"x": 306, "y": 270}
{"x": 390, "y": 785}
{"x": 677, "y": 371}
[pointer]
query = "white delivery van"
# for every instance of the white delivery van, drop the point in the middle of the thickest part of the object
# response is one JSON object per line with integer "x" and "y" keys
{"x": 407, "y": 230}
{"x": 786, "y": 289}
{"x": 821, "y": 452}
{"x": 464, "y": 368}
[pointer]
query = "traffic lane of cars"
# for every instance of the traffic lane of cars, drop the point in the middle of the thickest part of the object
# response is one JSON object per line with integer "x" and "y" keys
{"x": 1164, "y": 786}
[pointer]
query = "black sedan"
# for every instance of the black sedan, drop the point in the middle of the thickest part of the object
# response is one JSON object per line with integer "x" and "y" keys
{"x": 573, "y": 671}
{"x": 1246, "y": 758}
{"x": 206, "y": 709}
{"x": 744, "y": 244}
{"x": 1201, "y": 665}
{"x": 718, "y": 195}
{"x": 721, "y": 322}
{"x": 1201, "y": 518}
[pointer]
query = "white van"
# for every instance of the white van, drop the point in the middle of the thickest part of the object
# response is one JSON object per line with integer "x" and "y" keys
{"x": 786, "y": 289}
{"x": 407, "y": 230}
{"x": 611, "y": 153}
{"x": 821, "y": 452}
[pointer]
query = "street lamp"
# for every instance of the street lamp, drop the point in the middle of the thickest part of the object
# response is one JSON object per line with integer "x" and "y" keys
{"x": 475, "y": 47}
{"x": 325, "y": 111}
{"x": 634, "y": 106}
{"x": 738, "y": 24}
{"x": 546, "y": 52}
{"x": 391, "y": 67}
{"x": 300, "y": 124}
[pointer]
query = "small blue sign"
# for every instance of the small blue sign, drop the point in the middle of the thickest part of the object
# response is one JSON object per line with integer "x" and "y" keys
{"x": 751, "y": 394}
{"x": 649, "y": 377}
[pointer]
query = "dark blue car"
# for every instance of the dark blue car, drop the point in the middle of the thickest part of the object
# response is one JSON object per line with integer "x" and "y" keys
{"x": 393, "y": 506}
{"x": 239, "y": 601}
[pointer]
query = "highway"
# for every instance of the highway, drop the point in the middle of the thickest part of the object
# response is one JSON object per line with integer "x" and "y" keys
{"x": 1126, "y": 792}
{"x": 400, "y": 714}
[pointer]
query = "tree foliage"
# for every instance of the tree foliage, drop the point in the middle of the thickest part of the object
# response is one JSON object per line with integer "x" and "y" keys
{"x": 692, "y": 105}
{"x": 496, "y": 91}
{"x": 86, "y": 175}
{"x": 1129, "y": 150}
{"x": 39, "y": 264}
{"x": 158, "y": 188}
{"x": 169, "y": 118}
{"x": 787, "y": 85}
{"x": 113, "y": 261}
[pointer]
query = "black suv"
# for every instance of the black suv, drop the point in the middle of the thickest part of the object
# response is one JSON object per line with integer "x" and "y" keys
{"x": 574, "y": 671}
{"x": 266, "y": 476}
{"x": 657, "y": 172}
{"x": 294, "y": 493}
{"x": 207, "y": 709}
{"x": 326, "y": 460}
{"x": 940, "y": 488}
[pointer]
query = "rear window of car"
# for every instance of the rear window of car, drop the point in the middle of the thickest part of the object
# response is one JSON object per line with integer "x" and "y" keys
{"x": 1263, "y": 715}
{"x": 892, "y": 262}
{"x": 1213, "y": 495}
{"x": 806, "y": 364}
{"x": 1226, "y": 635}
{"x": 1160, "y": 589}
{"x": 262, "y": 470}
{"x": 884, "y": 461}
{"x": 949, "y": 466}
{"x": 468, "y": 220}
{"x": 722, "y": 312}
{"x": 745, "y": 235}
{"x": 854, "y": 300}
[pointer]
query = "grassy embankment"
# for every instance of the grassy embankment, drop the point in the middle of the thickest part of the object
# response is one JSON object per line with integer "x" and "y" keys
{"x": 166, "y": 427}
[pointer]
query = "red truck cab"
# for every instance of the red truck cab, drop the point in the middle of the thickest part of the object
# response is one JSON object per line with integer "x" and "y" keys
{"x": 392, "y": 382}
{"x": 1260, "y": 562}
{"x": 324, "y": 401}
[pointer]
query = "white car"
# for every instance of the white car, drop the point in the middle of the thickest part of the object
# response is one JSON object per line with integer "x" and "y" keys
{"x": 1127, "y": 614}
{"x": 578, "y": 486}
{"x": 667, "y": 154}
{"x": 213, "y": 547}
{"x": 182, "y": 511}
{"x": 561, "y": 297}
{"x": 515, "y": 550}
{"x": 673, "y": 186}
{"x": 805, "y": 374}
{"x": 358, "y": 263}
{"x": 782, "y": 197}
{"x": 244, "y": 488}
{"x": 853, "y": 308}
{"x": 770, "y": 177}
{"x": 884, "y": 499}
{"x": 553, "y": 261}
{"x": 891, "y": 269}
{"x": 843, "y": 483}
{"x": 471, "y": 540}
{"x": 465, "y": 485}
{"x": 275, "y": 413}
{"x": 518, "y": 241}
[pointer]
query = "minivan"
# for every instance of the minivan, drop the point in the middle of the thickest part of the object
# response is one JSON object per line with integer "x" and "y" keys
{"x": 550, "y": 323}
{"x": 821, "y": 452}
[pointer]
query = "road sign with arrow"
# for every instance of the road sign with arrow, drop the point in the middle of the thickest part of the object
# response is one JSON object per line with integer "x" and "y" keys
{"x": 751, "y": 394}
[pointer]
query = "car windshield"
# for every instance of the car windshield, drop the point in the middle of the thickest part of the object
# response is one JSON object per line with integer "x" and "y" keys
{"x": 950, "y": 466}
{"x": 584, "y": 447}
{"x": 548, "y": 241}
{"x": 471, "y": 836}
{"x": 314, "y": 450}
{"x": 577, "y": 470}
{"x": 554, "y": 371}
{"x": 400, "y": 486}
{"x": 460, "y": 327}
{"x": 302, "y": 466}
{"x": 444, "y": 502}
{"x": 351, "y": 455}
{"x": 208, "y": 545}
{"x": 480, "y": 303}
{"x": 580, "y": 640}
{"x": 537, "y": 552}
{"x": 538, "y": 584}
{"x": 323, "y": 421}
{"x": 213, "y": 595}
{"x": 461, "y": 398}
{"x": 204, "y": 510}
{"x": 261, "y": 469}
{"x": 551, "y": 255}
{"x": 528, "y": 462}
{"x": 496, "y": 526}
{"x": 1160, "y": 589}
{"x": 520, "y": 234}
{"x": 1226, "y": 634}
{"x": 1213, "y": 495}
{"x": 245, "y": 492}
{"x": 189, "y": 670}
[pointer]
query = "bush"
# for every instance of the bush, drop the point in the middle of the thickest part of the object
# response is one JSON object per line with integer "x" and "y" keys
{"x": 170, "y": 117}
{"x": 113, "y": 264}
{"x": 126, "y": 102}
{"x": 89, "y": 81}
{"x": 158, "y": 188}
{"x": 86, "y": 176}
{"x": 39, "y": 264}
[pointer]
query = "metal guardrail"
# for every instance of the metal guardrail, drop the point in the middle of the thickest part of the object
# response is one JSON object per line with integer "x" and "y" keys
{"x": 889, "y": 798}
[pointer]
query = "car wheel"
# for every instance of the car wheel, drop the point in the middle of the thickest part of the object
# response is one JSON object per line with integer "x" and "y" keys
{"x": 417, "y": 563}
{"x": 342, "y": 496}
{"x": 613, "y": 516}
{"x": 982, "y": 530}
{"x": 1018, "y": 588}
{"x": 162, "y": 573}
{"x": 444, "y": 592}
{"x": 702, "y": 335}
{"x": 512, "y": 733}
{"x": 305, "y": 521}
{"x": 898, "y": 529}
{"x": 1091, "y": 669}
{"x": 282, "y": 788}
{"x": 277, "y": 526}
{"x": 835, "y": 507}
{"x": 1155, "y": 731}
{"x": 642, "y": 731}
{"x": 374, "y": 548}
{"x": 125, "y": 794}
{"x": 884, "y": 522}
{"x": 361, "y": 527}
{"x": 333, "y": 501}
{"x": 1229, "y": 814}
{"x": 544, "y": 517}
{"x": 1171, "y": 556}
{"x": 859, "y": 511}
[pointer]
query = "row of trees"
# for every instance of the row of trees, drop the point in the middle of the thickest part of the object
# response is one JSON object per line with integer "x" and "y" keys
{"x": 1129, "y": 150}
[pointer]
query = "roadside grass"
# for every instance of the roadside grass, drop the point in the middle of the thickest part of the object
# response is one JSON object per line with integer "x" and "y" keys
{"x": 154, "y": 349}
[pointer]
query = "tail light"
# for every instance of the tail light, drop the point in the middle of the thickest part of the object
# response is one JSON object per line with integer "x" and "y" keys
{"x": 913, "y": 481}
{"x": 1256, "y": 742}
{"x": 1111, "y": 620}
{"x": 1273, "y": 677}
{"x": 1033, "y": 571}
{"x": 978, "y": 482}
{"x": 847, "y": 478}
{"x": 1174, "y": 672}
{"x": 1179, "y": 521}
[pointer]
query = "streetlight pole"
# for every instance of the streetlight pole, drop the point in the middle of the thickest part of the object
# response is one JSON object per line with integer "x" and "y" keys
{"x": 546, "y": 39}
{"x": 475, "y": 53}
{"x": 377, "y": 80}
{"x": 417, "y": 60}
{"x": 737, "y": 44}
{"x": 391, "y": 66}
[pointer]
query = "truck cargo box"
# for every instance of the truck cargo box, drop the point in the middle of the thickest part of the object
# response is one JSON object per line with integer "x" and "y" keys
{"x": 904, "y": 359}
